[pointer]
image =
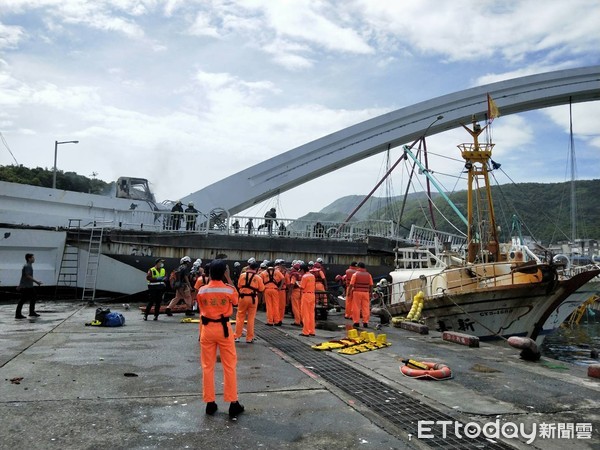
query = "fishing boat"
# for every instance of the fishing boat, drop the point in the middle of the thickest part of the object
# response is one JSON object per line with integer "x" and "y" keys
{"x": 493, "y": 289}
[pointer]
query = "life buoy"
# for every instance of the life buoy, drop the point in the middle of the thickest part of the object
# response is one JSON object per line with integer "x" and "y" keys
{"x": 435, "y": 371}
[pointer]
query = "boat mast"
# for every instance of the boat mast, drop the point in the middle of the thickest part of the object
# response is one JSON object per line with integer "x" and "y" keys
{"x": 573, "y": 196}
{"x": 481, "y": 229}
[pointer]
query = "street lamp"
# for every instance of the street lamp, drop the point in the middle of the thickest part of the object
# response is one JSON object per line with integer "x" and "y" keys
{"x": 55, "y": 151}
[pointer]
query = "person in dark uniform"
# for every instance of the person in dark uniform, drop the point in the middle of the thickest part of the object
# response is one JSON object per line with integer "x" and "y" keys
{"x": 191, "y": 214}
{"x": 156, "y": 287}
{"x": 26, "y": 288}
{"x": 176, "y": 215}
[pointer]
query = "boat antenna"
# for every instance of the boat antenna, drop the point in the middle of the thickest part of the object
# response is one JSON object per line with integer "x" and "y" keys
{"x": 360, "y": 205}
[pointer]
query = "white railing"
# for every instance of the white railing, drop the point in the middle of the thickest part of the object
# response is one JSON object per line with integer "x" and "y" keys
{"x": 427, "y": 237}
{"x": 221, "y": 223}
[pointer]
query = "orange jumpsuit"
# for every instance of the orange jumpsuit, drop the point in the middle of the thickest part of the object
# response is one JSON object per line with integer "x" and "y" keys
{"x": 320, "y": 283}
{"x": 361, "y": 285}
{"x": 283, "y": 293}
{"x": 272, "y": 278}
{"x": 216, "y": 301}
{"x": 202, "y": 280}
{"x": 250, "y": 285}
{"x": 295, "y": 296}
{"x": 307, "y": 285}
{"x": 349, "y": 303}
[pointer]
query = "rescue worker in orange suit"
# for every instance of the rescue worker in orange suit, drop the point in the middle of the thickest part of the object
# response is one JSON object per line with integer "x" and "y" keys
{"x": 349, "y": 303}
{"x": 201, "y": 280}
{"x": 216, "y": 301}
{"x": 361, "y": 288}
{"x": 283, "y": 289}
{"x": 250, "y": 286}
{"x": 320, "y": 282}
{"x": 272, "y": 278}
{"x": 307, "y": 300}
{"x": 295, "y": 294}
{"x": 320, "y": 279}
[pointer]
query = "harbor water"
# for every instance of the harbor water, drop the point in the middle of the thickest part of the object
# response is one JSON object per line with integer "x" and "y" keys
{"x": 575, "y": 344}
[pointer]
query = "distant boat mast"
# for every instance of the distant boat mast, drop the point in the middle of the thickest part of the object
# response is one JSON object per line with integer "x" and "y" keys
{"x": 573, "y": 196}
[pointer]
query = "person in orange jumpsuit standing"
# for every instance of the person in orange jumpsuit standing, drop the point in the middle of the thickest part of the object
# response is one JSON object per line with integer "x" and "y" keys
{"x": 250, "y": 286}
{"x": 307, "y": 300}
{"x": 216, "y": 301}
{"x": 361, "y": 288}
{"x": 320, "y": 283}
{"x": 295, "y": 294}
{"x": 202, "y": 279}
{"x": 272, "y": 279}
{"x": 349, "y": 303}
{"x": 283, "y": 289}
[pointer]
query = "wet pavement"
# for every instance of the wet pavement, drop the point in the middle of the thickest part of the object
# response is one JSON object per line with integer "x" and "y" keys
{"x": 139, "y": 386}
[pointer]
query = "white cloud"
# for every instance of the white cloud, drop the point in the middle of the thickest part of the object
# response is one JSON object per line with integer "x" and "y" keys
{"x": 316, "y": 22}
{"x": 202, "y": 26}
{"x": 10, "y": 36}
{"x": 226, "y": 84}
{"x": 585, "y": 120}
{"x": 463, "y": 30}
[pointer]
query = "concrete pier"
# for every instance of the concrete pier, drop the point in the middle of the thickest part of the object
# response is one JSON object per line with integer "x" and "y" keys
{"x": 66, "y": 385}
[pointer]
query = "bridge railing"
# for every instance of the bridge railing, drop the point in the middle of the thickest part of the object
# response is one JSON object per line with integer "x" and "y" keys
{"x": 427, "y": 237}
{"x": 221, "y": 223}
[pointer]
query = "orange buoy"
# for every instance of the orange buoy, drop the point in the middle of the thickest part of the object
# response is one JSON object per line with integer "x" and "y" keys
{"x": 434, "y": 371}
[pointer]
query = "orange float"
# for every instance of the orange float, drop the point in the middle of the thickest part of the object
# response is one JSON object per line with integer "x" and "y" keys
{"x": 434, "y": 371}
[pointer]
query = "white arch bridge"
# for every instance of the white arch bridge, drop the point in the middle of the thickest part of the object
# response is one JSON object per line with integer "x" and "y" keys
{"x": 327, "y": 154}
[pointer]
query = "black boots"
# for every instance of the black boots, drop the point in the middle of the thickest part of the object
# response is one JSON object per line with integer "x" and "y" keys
{"x": 211, "y": 408}
{"x": 235, "y": 408}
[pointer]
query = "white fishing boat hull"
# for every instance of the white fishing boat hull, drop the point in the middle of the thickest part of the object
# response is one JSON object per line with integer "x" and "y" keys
{"x": 495, "y": 312}
{"x": 48, "y": 246}
{"x": 570, "y": 304}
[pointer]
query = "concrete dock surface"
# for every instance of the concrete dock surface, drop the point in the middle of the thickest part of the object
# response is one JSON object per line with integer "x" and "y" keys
{"x": 65, "y": 385}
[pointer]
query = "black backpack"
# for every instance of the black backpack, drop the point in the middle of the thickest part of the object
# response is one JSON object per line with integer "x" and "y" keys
{"x": 101, "y": 314}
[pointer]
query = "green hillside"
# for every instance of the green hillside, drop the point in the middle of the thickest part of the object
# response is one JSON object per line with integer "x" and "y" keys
{"x": 68, "y": 181}
{"x": 544, "y": 210}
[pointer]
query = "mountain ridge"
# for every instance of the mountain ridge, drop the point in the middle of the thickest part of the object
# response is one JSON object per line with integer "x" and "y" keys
{"x": 542, "y": 208}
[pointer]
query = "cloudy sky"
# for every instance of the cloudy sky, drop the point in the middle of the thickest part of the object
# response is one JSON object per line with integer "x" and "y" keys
{"x": 186, "y": 92}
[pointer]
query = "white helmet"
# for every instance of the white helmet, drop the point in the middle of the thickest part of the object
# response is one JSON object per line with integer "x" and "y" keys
{"x": 236, "y": 264}
{"x": 185, "y": 259}
{"x": 251, "y": 260}
{"x": 198, "y": 262}
{"x": 320, "y": 260}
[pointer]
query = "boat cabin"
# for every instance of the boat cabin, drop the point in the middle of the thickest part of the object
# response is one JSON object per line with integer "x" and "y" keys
{"x": 134, "y": 189}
